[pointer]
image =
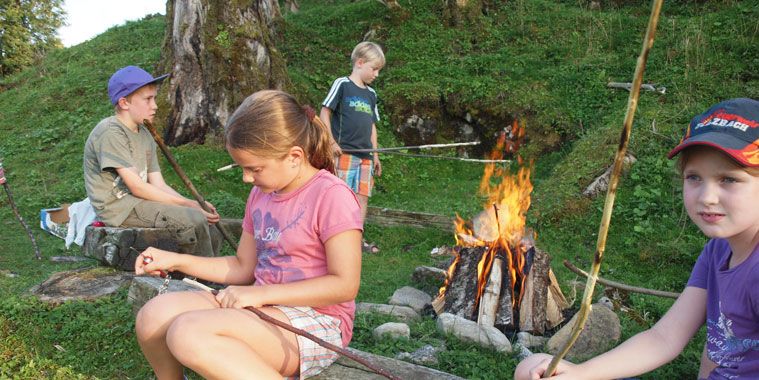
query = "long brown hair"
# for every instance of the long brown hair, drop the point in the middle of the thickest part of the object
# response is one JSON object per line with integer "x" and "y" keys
{"x": 269, "y": 123}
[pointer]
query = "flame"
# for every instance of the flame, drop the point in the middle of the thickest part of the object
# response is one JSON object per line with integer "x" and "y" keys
{"x": 501, "y": 226}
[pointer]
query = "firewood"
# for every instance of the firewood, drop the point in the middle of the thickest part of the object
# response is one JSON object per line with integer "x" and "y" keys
{"x": 461, "y": 292}
{"x": 491, "y": 295}
{"x": 532, "y": 309}
{"x": 556, "y": 303}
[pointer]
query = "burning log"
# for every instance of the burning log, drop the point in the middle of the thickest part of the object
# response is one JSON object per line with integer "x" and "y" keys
{"x": 489, "y": 302}
{"x": 461, "y": 290}
{"x": 532, "y": 309}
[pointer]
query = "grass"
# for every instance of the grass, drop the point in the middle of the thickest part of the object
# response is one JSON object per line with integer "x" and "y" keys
{"x": 544, "y": 62}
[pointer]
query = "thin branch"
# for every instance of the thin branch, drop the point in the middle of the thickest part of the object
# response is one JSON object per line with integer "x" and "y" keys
{"x": 621, "y": 286}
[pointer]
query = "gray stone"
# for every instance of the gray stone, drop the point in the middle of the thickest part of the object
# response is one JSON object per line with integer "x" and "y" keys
{"x": 470, "y": 331}
{"x": 522, "y": 351}
{"x": 411, "y": 297}
{"x": 393, "y": 330}
{"x": 403, "y": 313}
{"x": 81, "y": 284}
{"x": 530, "y": 341}
{"x": 602, "y": 331}
{"x": 427, "y": 355}
{"x": 606, "y": 301}
{"x": 119, "y": 247}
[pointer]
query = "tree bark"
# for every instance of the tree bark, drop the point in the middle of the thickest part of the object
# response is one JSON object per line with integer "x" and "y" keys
{"x": 218, "y": 53}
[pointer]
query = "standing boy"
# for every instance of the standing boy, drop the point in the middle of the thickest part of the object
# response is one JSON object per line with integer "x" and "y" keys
{"x": 121, "y": 173}
{"x": 350, "y": 111}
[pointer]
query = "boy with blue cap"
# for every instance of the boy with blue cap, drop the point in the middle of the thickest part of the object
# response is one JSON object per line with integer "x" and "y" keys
{"x": 121, "y": 172}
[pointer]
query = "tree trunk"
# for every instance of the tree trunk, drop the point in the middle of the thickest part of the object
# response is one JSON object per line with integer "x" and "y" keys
{"x": 218, "y": 53}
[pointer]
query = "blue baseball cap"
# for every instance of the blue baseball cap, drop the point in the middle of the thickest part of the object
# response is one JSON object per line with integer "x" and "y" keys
{"x": 731, "y": 126}
{"x": 128, "y": 80}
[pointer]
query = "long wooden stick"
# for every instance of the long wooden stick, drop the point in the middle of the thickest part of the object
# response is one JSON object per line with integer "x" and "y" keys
{"x": 178, "y": 169}
{"x": 632, "y": 104}
{"x": 621, "y": 286}
{"x": 297, "y": 331}
{"x": 21, "y": 220}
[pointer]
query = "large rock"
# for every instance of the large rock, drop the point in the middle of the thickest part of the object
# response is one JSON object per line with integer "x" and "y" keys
{"x": 403, "y": 313}
{"x": 602, "y": 331}
{"x": 119, "y": 247}
{"x": 81, "y": 284}
{"x": 470, "y": 331}
{"x": 411, "y": 297}
{"x": 393, "y": 330}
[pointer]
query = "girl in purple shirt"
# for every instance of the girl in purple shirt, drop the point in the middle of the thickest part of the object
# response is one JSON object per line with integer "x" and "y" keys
{"x": 719, "y": 162}
{"x": 299, "y": 259}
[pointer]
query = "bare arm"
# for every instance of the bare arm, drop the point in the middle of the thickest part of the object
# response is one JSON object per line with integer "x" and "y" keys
{"x": 340, "y": 284}
{"x": 235, "y": 270}
{"x": 326, "y": 117}
{"x": 643, "y": 352}
{"x": 375, "y": 145}
{"x": 149, "y": 191}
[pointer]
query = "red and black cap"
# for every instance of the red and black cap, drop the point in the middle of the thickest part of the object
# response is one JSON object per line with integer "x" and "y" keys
{"x": 731, "y": 126}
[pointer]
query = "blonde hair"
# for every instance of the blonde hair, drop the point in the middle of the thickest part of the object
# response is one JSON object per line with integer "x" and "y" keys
{"x": 269, "y": 123}
{"x": 369, "y": 52}
{"x": 686, "y": 154}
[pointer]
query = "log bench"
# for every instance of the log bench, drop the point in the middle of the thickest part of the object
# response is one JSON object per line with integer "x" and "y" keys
{"x": 144, "y": 288}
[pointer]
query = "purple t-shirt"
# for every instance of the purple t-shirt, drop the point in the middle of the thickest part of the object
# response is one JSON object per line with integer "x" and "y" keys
{"x": 732, "y": 310}
{"x": 291, "y": 229}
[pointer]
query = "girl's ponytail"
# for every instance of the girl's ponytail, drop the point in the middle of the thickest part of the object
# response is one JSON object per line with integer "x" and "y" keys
{"x": 320, "y": 150}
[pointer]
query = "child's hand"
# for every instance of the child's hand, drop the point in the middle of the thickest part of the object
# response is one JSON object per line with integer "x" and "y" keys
{"x": 336, "y": 150}
{"x": 153, "y": 261}
{"x": 533, "y": 368}
{"x": 213, "y": 216}
{"x": 377, "y": 166}
{"x": 239, "y": 297}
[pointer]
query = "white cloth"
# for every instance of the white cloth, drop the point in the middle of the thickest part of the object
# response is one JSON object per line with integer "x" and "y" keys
{"x": 81, "y": 215}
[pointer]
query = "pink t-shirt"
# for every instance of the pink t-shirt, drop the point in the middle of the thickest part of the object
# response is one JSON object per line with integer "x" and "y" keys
{"x": 290, "y": 230}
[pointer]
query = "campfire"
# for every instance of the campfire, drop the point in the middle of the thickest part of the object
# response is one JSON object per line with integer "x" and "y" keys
{"x": 498, "y": 277}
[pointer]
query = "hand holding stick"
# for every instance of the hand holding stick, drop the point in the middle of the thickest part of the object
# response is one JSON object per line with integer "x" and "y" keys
{"x": 302, "y": 333}
{"x": 632, "y": 103}
{"x": 186, "y": 180}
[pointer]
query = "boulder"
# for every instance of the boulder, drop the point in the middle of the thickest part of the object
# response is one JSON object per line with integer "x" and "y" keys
{"x": 393, "y": 330}
{"x": 602, "y": 331}
{"x": 411, "y": 297}
{"x": 470, "y": 331}
{"x": 403, "y": 313}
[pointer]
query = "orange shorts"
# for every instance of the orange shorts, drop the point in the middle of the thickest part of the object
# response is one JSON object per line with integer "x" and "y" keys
{"x": 357, "y": 172}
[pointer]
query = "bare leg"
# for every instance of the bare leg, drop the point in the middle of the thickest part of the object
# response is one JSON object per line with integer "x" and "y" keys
{"x": 153, "y": 321}
{"x": 234, "y": 344}
{"x": 363, "y": 201}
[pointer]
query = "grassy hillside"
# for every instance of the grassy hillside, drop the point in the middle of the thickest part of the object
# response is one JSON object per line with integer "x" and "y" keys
{"x": 546, "y": 62}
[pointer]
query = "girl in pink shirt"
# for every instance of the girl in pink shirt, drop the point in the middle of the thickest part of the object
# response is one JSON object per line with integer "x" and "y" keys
{"x": 299, "y": 259}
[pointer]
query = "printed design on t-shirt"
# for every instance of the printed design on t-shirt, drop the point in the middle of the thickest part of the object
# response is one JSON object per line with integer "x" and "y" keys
{"x": 118, "y": 190}
{"x": 273, "y": 262}
{"x": 725, "y": 348}
{"x": 359, "y": 104}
